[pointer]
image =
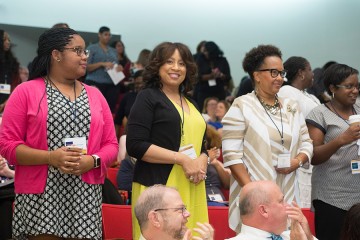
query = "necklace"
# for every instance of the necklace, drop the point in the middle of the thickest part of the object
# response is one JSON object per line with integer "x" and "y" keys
{"x": 72, "y": 107}
{"x": 273, "y": 109}
{"x": 346, "y": 121}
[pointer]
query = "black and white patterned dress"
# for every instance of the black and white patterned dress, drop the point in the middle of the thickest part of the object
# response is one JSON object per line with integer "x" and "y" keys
{"x": 69, "y": 207}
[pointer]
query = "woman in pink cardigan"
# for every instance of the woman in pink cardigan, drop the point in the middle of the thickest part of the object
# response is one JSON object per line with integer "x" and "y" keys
{"x": 59, "y": 133}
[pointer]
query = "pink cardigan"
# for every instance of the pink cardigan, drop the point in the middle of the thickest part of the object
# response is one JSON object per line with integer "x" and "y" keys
{"x": 25, "y": 122}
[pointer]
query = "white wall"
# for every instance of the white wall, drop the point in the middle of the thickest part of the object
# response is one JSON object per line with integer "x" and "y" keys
{"x": 319, "y": 30}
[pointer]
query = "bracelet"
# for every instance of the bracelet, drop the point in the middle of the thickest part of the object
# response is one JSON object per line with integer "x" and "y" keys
{"x": 94, "y": 161}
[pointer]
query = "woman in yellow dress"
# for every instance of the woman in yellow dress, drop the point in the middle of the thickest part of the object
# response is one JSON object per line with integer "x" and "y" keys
{"x": 166, "y": 132}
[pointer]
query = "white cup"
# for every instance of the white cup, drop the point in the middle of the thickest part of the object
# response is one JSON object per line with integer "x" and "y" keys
{"x": 354, "y": 119}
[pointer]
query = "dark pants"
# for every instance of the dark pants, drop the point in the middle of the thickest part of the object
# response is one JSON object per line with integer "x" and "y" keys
{"x": 328, "y": 220}
{"x": 109, "y": 91}
{"x": 7, "y": 197}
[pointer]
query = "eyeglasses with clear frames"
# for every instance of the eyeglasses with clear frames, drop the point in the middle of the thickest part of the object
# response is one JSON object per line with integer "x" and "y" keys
{"x": 274, "y": 72}
{"x": 349, "y": 87}
{"x": 182, "y": 209}
{"x": 79, "y": 51}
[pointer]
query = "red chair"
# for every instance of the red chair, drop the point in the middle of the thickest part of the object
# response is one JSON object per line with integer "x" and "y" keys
{"x": 116, "y": 221}
{"x": 310, "y": 216}
{"x": 111, "y": 175}
{"x": 218, "y": 218}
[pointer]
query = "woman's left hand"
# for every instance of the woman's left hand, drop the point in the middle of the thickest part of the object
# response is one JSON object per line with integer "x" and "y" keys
{"x": 86, "y": 163}
{"x": 294, "y": 164}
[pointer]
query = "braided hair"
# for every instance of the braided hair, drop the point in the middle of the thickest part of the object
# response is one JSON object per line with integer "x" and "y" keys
{"x": 293, "y": 65}
{"x": 52, "y": 39}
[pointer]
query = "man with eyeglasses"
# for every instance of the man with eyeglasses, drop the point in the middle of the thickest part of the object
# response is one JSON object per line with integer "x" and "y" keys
{"x": 101, "y": 58}
{"x": 265, "y": 213}
{"x": 162, "y": 214}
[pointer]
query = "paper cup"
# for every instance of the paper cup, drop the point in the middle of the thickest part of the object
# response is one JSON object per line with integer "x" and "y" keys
{"x": 354, "y": 120}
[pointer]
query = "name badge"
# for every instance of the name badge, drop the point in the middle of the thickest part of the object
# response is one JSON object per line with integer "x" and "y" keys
{"x": 215, "y": 197}
{"x": 283, "y": 160}
{"x": 78, "y": 142}
{"x": 188, "y": 150}
{"x": 355, "y": 166}
{"x": 212, "y": 82}
{"x": 5, "y": 88}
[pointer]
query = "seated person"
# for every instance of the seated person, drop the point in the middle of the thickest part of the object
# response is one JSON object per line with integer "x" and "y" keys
{"x": 162, "y": 214}
{"x": 217, "y": 176}
{"x": 7, "y": 197}
{"x": 264, "y": 214}
{"x": 351, "y": 227}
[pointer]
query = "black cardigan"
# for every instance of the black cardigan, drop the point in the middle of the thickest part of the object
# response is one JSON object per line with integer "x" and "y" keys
{"x": 153, "y": 120}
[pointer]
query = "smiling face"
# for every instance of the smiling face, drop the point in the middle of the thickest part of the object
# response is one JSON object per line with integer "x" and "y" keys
{"x": 119, "y": 48}
{"x": 174, "y": 220}
{"x": 345, "y": 96}
{"x": 220, "y": 110}
{"x": 265, "y": 84}
{"x": 173, "y": 72}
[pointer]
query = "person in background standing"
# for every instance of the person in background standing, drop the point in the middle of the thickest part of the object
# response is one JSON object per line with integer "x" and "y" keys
{"x": 335, "y": 181}
{"x": 102, "y": 58}
{"x": 9, "y": 69}
{"x": 214, "y": 74}
{"x": 299, "y": 78}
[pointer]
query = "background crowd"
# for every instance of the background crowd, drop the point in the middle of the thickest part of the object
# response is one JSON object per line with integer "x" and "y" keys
{"x": 172, "y": 118}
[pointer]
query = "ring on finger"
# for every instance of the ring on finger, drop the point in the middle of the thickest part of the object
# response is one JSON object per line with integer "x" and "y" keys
{"x": 191, "y": 178}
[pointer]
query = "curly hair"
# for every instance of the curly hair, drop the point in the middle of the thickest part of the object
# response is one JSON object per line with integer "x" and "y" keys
{"x": 293, "y": 65}
{"x": 336, "y": 74}
{"x": 256, "y": 56}
{"x": 160, "y": 55}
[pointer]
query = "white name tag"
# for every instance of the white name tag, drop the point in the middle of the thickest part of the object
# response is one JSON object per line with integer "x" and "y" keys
{"x": 215, "y": 197}
{"x": 283, "y": 160}
{"x": 189, "y": 151}
{"x": 5, "y": 88}
{"x": 212, "y": 82}
{"x": 79, "y": 142}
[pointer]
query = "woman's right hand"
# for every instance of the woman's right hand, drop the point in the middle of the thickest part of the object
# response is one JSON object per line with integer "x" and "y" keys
{"x": 350, "y": 135}
{"x": 192, "y": 170}
{"x": 65, "y": 158}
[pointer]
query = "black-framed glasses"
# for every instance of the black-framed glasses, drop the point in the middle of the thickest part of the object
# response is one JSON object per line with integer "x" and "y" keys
{"x": 79, "y": 51}
{"x": 182, "y": 209}
{"x": 349, "y": 87}
{"x": 274, "y": 72}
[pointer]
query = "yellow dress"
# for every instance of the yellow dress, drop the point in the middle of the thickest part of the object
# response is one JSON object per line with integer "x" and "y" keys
{"x": 193, "y": 196}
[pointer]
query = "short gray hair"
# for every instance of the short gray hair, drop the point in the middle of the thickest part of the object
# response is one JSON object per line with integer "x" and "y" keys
{"x": 149, "y": 200}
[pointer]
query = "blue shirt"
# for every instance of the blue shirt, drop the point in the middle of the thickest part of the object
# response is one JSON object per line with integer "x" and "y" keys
{"x": 97, "y": 54}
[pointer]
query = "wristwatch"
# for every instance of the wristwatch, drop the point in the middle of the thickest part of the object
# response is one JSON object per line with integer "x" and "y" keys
{"x": 300, "y": 163}
{"x": 97, "y": 161}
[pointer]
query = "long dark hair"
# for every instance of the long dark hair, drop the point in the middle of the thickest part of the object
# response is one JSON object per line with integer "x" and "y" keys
{"x": 52, "y": 39}
{"x": 9, "y": 65}
{"x": 160, "y": 55}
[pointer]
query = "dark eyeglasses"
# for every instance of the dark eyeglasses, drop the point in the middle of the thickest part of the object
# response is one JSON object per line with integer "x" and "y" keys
{"x": 79, "y": 51}
{"x": 274, "y": 72}
{"x": 349, "y": 87}
{"x": 182, "y": 209}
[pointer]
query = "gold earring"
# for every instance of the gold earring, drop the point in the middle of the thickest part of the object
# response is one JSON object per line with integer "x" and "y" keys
{"x": 58, "y": 59}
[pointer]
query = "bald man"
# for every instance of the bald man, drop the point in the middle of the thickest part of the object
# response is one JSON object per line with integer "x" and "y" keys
{"x": 162, "y": 214}
{"x": 265, "y": 214}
